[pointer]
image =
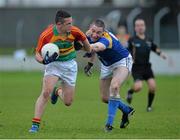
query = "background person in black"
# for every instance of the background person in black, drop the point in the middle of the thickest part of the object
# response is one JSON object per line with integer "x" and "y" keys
{"x": 140, "y": 47}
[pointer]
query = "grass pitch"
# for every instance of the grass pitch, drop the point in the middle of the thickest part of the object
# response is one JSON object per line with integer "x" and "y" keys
{"x": 87, "y": 115}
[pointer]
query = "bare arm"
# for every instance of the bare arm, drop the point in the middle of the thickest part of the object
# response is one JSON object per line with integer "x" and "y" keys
{"x": 38, "y": 57}
{"x": 86, "y": 46}
{"x": 161, "y": 54}
{"x": 157, "y": 50}
{"x": 96, "y": 47}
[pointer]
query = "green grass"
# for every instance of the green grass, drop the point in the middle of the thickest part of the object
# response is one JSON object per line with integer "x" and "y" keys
{"x": 87, "y": 115}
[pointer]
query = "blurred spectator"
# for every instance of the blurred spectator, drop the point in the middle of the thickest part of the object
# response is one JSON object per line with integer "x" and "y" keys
{"x": 122, "y": 35}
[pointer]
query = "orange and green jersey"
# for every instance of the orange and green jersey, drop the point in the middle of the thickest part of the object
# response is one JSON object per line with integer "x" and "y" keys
{"x": 65, "y": 43}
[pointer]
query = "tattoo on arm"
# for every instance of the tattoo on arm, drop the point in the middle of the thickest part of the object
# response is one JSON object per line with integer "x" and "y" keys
{"x": 96, "y": 46}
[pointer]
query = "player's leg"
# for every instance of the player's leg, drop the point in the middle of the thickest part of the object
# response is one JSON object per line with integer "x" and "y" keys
{"x": 105, "y": 81}
{"x": 104, "y": 89}
{"x": 137, "y": 86}
{"x": 152, "y": 88}
{"x": 106, "y": 77}
{"x": 48, "y": 85}
{"x": 149, "y": 77}
{"x": 67, "y": 94}
{"x": 137, "y": 74}
{"x": 68, "y": 75}
{"x": 57, "y": 92}
{"x": 119, "y": 76}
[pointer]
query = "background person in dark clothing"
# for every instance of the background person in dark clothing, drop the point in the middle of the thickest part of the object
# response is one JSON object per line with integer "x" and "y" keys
{"x": 140, "y": 47}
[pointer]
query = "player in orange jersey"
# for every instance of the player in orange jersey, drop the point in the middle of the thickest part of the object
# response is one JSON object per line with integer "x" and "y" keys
{"x": 64, "y": 68}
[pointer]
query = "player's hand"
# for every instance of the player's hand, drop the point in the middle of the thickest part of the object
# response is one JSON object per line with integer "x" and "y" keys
{"x": 163, "y": 56}
{"x": 87, "y": 69}
{"x": 50, "y": 59}
{"x": 88, "y": 55}
{"x": 78, "y": 45}
{"x": 88, "y": 32}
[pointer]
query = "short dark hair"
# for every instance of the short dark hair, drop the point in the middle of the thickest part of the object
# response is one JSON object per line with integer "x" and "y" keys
{"x": 60, "y": 15}
{"x": 99, "y": 23}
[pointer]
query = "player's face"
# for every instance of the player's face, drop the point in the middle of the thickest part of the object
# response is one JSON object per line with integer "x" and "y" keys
{"x": 140, "y": 27}
{"x": 66, "y": 26}
{"x": 96, "y": 32}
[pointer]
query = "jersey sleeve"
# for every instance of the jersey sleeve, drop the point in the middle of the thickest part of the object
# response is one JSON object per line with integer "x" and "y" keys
{"x": 104, "y": 41}
{"x": 79, "y": 35}
{"x": 130, "y": 45}
{"x": 41, "y": 42}
{"x": 44, "y": 37}
{"x": 153, "y": 46}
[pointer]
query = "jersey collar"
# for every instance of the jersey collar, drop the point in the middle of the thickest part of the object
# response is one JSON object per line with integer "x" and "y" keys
{"x": 55, "y": 31}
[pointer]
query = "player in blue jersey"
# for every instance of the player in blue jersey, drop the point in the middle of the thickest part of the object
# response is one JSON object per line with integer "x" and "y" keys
{"x": 116, "y": 63}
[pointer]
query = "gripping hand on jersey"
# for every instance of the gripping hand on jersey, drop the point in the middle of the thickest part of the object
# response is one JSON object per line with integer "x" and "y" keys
{"x": 48, "y": 59}
{"x": 87, "y": 69}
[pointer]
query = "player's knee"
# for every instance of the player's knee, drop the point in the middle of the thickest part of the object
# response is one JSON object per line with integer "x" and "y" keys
{"x": 114, "y": 87}
{"x": 137, "y": 87}
{"x": 104, "y": 99}
{"x": 68, "y": 102}
{"x": 46, "y": 93}
{"x": 152, "y": 89}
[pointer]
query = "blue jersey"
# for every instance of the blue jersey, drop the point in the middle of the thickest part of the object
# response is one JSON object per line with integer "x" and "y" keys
{"x": 114, "y": 50}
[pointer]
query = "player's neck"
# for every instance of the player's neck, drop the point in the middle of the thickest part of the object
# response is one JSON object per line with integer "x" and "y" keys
{"x": 141, "y": 36}
{"x": 62, "y": 33}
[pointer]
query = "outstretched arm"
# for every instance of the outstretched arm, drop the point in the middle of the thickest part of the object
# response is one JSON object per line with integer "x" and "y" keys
{"x": 157, "y": 50}
{"x": 86, "y": 45}
{"x": 96, "y": 47}
{"x": 160, "y": 53}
